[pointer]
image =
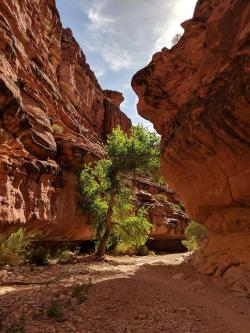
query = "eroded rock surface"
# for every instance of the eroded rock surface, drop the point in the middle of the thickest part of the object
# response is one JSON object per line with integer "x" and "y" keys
{"x": 54, "y": 117}
{"x": 197, "y": 96}
{"x": 165, "y": 212}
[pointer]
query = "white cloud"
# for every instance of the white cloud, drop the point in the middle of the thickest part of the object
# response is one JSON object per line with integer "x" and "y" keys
{"x": 119, "y": 36}
{"x": 126, "y": 86}
{"x": 181, "y": 11}
{"x": 116, "y": 57}
{"x": 99, "y": 73}
{"x": 98, "y": 19}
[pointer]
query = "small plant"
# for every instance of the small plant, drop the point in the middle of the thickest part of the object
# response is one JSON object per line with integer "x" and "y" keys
{"x": 182, "y": 207}
{"x": 161, "y": 197}
{"x": 13, "y": 248}
{"x": 37, "y": 315}
{"x": 80, "y": 291}
{"x": 38, "y": 256}
{"x": 124, "y": 249}
{"x": 54, "y": 311}
{"x": 176, "y": 39}
{"x": 57, "y": 129}
{"x": 142, "y": 250}
{"x": 195, "y": 234}
{"x": 64, "y": 255}
{"x": 16, "y": 328}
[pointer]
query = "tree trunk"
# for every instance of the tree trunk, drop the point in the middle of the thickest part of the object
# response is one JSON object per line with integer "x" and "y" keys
{"x": 108, "y": 226}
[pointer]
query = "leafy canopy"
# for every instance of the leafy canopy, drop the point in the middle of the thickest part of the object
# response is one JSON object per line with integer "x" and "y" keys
{"x": 125, "y": 157}
{"x": 138, "y": 152}
{"x": 130, "y": 226}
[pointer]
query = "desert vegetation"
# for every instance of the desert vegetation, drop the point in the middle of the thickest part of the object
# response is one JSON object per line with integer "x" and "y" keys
{"x": 13, "y": 249}
{"x": 195, "y": 234}
{"x": 107, "y": 185}
{"x": 176, "y": 39}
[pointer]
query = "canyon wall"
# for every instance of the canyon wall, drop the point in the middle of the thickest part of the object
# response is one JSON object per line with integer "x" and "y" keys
{"x": 54, "y": 117}
{"x": 197, "y": 96}
{"x": 165, "y": 212}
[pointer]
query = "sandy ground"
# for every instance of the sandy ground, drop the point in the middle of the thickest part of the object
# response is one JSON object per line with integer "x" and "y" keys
{"x": 146, "y": 294}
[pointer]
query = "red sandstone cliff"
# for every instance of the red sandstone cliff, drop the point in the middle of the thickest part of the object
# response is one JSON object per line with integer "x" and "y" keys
{"x": 197, "y": 96}
{"x": 54, "y": 117}
{"x": 164, "y": 212}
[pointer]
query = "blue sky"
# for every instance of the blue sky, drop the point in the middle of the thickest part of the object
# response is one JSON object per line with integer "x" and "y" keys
{"x": 119, "y": 37}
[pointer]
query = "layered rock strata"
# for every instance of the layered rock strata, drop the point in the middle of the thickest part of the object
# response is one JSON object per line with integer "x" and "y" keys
{"x": 54, "y": 117}
{"x": 165, "y": 212}
{"x": 197, "y": 96}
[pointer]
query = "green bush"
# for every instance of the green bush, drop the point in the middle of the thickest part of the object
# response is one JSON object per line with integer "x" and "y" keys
{"x": 57, "y": 129}
{"x": 161, "y": 197}
{"x": 38, "y": 256}
{"x": 131, "y": 227}
{"x": 124, "y": 249}
{"x": 13, "y": 248}
{"x": 195, "y": 234}
{"x": 134, "y": 230}
{"x": 65, "y": 255}
{"x": 80, "y": 291}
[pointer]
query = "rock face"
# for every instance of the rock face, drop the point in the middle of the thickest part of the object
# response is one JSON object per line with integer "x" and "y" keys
{"x": 54, "y": 117}
{"x": 197, "y": 96}
{"x": 164, "y": 212}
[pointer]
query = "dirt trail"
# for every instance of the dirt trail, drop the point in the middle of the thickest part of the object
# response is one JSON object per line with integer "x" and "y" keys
{"x": 147, "y": 294}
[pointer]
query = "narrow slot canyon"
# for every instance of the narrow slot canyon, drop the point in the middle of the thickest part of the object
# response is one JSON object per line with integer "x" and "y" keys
{"x": 57, "y": 123}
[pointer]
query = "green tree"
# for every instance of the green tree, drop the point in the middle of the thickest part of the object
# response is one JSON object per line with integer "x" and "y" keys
{"x": 102, "y": 183}
{"x": 131, "y": 227}
{"x": 195, "y": 234}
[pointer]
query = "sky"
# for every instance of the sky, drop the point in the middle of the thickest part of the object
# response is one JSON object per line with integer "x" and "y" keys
{"x": 119, "y": 37}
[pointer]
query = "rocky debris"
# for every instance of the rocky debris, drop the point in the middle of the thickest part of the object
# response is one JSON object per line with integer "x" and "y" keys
{"x": 54, "y": 117}
{"x": 115, "y": 301}
{"x": 179, "y": 276}
{"x": 196, "y": 95}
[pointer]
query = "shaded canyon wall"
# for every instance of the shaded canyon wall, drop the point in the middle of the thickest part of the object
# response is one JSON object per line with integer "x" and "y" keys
{"x": 197, "y": 96}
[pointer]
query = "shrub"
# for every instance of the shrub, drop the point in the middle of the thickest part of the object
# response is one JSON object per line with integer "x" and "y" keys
{"x": 57, "y": 129}
{"x": 15, "y": 328}
{"x": 142, "y": 250}
{"x": 180, "y": 206}
{"x": 13, "y": 248}
{"x": 195, "y": 234}
{"x": 54, "y": 311}
{"x": 65, "y": 255}
{"x": 38, "y": 256}
{"x": 124, "y": 249}
{"x": 80, "y": 291}
{"x": 161, "y": 197}
{"x": 176, "y": 39}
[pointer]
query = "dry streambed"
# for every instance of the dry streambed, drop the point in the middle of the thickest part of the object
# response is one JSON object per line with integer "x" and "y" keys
{"x": 147, "y": 294}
